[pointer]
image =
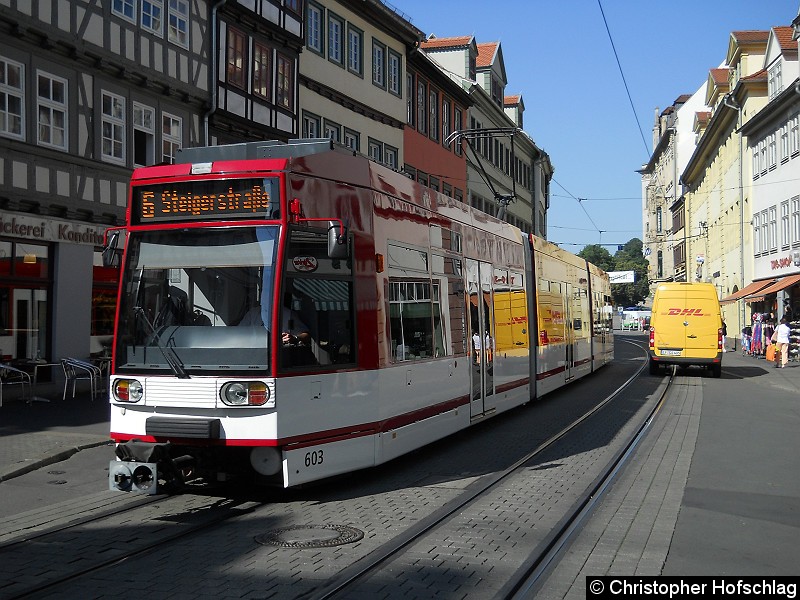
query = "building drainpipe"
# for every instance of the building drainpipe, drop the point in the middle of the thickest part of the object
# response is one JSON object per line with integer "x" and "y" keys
{"x": 212, "y": 76}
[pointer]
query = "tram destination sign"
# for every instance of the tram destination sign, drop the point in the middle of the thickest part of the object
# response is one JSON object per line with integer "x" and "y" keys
{"x": 205, "y": 200}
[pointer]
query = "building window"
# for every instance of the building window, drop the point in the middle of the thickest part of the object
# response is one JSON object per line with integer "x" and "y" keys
{"x": 765, "y": 242}
{"x": 785, "y": 143}
{"x": 311, "y": 125}
{"x": 335, "y": 33}
{"x": 762, "y": 150}
{"x": 285, "y": 87}
{"x": 773, "y": 228}
{"x": 293, "y": 6}
{"x": 375, "y": 150}
{"x": 497, "y": 92}
{"x": 659, "y": 220}
{"x": 333, "y": 131}
{"x": 421, "y": 120}
{"x": 144, "y": 135}
{"x": 785, "y": 240}
{"x": 171, "y": 137}
{"x": 378, "y": 64}
{"x": 237, "y": 74}
{"x": 125, "y": 9}
{"x": 153, "y": 16}
{"x": 795, "y": 220}
{"x": 434, "y": 117}
{"x": 395, "y": 73}
{"x": 12, "y": 94}
{"x": 314, "y": 35}
{"x": 410, "y": 99}
{"x": 756, "y": 162}
{"x": 775, "y": 80}
{"x": 757, "y": 234}
{"x": 772, "y": 153}
{"x": 457, "y": 124}
{"x": 51, "y": 106}
{"x": 794, "y": 135}
{"x": 262, "y": 71}
{"x": 352, "y": 139}
{"x": 445, "y": 119}
{"x": 179, "y": 22}
{"x": 390, "y": 156}
{"x": 355, "y": 50}
{"x": 113, "y": 127}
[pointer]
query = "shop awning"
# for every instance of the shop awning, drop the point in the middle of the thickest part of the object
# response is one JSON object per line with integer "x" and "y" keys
{"x": 781, "y": 284}
{"x": 751, "y": 288}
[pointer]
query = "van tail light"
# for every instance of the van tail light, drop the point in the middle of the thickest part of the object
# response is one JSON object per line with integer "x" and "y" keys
{"x": 653, "y": 338}
{"x": 719, "y": 340}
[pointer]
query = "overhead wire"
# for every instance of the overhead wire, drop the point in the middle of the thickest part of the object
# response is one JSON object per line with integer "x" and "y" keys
{"x": 624, "y": 81}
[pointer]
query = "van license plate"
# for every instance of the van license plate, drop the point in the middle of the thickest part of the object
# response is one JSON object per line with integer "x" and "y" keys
{"x": 670, "y": 353}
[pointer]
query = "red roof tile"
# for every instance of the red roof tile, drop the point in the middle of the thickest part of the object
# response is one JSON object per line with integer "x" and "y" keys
{"x": 751, "y": 35}
{"x": 784, "y": 35}
{"x": 511, "y": 100}
{"x": 446, "y": 42}
{"x": 486, "y": 52}
{"x": 720, "y": 76}
{"x": 762, "y": 74}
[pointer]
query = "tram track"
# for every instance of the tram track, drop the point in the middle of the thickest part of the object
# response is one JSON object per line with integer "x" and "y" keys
{"x": 532, "y": 569}
{"x": 155, "y": 530}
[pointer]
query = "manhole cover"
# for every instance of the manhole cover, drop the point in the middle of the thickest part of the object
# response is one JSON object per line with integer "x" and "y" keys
{"x": 57, "y": 482}
{"x": 310, "y": 536}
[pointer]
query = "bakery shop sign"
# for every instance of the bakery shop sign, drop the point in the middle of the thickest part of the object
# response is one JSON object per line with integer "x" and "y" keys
{"x": 49, "y": 231}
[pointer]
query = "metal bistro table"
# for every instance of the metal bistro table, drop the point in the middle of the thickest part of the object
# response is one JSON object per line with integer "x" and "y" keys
{"x": 36, "y": 365}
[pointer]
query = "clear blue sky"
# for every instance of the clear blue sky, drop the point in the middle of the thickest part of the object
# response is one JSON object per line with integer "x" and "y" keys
{"x": 558, "y": 55}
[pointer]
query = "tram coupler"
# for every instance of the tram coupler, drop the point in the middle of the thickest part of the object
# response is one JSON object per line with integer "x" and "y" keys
{"x": 147, "y": 468}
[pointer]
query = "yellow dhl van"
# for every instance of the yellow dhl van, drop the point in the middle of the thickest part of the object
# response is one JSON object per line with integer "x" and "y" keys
{"x": 686, "y": 327}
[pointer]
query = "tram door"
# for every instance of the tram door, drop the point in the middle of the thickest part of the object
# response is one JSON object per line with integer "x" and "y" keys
{"x": 481, "y": 311}
{"x": 569, "y": 331}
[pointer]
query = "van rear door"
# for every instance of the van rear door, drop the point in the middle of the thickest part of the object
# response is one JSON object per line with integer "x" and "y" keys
{"x": 686, "y": 323}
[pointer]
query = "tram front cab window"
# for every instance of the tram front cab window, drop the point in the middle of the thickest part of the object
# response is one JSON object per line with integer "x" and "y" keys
{"x": 185, "y": 295}
{"x": 316, "y": 319}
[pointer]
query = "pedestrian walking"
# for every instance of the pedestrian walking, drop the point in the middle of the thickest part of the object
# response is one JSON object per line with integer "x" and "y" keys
{"x": 724, "y": 335}
{"x": 782, "y": 340}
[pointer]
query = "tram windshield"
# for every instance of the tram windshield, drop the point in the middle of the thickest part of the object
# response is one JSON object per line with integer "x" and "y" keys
{"x": 197, "y": 301}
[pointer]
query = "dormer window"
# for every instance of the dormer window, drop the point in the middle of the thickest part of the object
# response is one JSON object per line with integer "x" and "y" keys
{"x": 497, "y": 92}
{"x": 472, "y": 68}
{"x": 774, "y": 80}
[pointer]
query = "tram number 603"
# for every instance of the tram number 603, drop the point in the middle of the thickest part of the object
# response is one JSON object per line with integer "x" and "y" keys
{"x": 314, "y": 458}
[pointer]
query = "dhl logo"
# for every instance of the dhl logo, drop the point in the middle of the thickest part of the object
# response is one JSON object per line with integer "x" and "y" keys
{"x": 686, "y": 312}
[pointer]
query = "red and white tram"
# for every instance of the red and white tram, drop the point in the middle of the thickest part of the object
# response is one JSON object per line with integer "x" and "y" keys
{"x": 296, "y": 311}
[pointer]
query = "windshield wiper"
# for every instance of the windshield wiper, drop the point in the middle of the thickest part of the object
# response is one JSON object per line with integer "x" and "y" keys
{"x": 169, "y": 354}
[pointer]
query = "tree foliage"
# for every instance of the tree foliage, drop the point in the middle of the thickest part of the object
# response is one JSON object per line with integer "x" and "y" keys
{"x": 628, "y": 258}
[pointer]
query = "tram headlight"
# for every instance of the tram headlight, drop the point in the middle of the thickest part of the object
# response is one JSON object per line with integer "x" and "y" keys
{"x": 128, "y": 390}
{"x": 246, "y": 393}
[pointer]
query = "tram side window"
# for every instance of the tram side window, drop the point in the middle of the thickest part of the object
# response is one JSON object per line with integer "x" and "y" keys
{"x": 580, "y": 312}
{"x": 316, "y": 320}
{"x": 415, "y": 318}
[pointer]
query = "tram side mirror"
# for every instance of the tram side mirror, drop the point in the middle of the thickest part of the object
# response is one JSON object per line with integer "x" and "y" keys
{"x": 337, "y": 240}
{"x": 110, "y": 256}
